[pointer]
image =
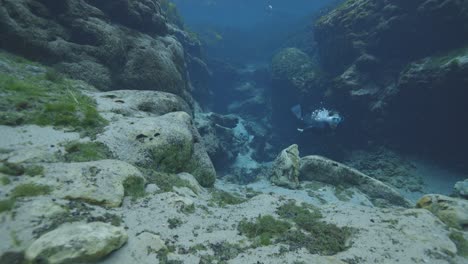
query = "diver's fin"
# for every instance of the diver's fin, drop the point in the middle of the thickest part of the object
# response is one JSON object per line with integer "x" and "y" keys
{"x": 297, "y": 111}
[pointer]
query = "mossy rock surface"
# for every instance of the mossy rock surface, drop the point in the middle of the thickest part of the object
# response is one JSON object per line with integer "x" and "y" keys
{"x": 86, "y": 151}
{"x": 168, "y": 144}
{"x": 46, "y": 99}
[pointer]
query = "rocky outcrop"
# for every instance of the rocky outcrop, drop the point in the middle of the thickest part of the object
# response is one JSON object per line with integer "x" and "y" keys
{"x": 316, "y": 168}
{"x": 395, "y": 66}
{"x": 293, "y": 66}
{"x": 285, "y": 169}
{"x": 110, "y": 44}
{"x": 451, "y": 211}
{"x": 388, "y": 30}
{"x": 154, "y": 130}
{"x": 77, "y": 243}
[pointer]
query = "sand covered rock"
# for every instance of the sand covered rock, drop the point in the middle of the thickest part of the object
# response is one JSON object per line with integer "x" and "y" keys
{"x": 168, "y": 143}
{"x": 451, "y": 211}
{"x": 317, "y": 168}
{"x": 285, "y": 170}
{"x": 77, "y": 243}
{"x": 96, "y": 182}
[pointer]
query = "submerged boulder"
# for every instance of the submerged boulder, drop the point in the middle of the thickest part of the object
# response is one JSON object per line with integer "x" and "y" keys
{"x": 451, "y": 211}
{"x": 97, "y": 182}
{"x": 317, "y": 168}
{"x": 168, "y": 143}
{"x": 77, "y": 243}
{"x": 285, "y": 170}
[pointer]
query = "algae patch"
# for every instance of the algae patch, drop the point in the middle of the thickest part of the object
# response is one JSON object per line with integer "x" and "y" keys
{"x": 298, "y": 227}
{"x": 14, "y": 169}
{"x": 223, "y": 198}
{"x": 264, "y": 229}
{"x": 30, "y": 189}
{"x": 47, "y": 100}
{"x": 134, "y": 187}
{"x": 6, "y": 205}
{"x": 460, "y": 242}
{"x": 88, "y": 151}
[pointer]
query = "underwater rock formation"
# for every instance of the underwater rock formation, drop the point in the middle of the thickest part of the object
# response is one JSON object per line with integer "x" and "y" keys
{"x": 168, "y": 143}
{"x": 77, "y": 243}
{"x": 451, "y": 211}
{"x": 219, "y": 138}
{"x": 97, "y": 182}
{"x": 357, "y": 28}
{"x": 397, "y": 67}
{"x": 285, "y": 169}
{"x": 110, "y": 44}
{"x": 316, "y": 168}
{"x": 154, "y": 130}
{"x": 297, "y": 69}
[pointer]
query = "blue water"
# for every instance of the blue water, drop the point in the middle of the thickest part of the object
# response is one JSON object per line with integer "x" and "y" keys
{"x": 240, "y": 40}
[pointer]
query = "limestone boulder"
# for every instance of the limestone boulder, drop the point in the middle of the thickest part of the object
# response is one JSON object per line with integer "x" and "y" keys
{"x": 96, "y": 182}
{"x": 285, "y": 170}
{"x": 168, "y": 143}
{"x": 317, "y": 168}
{"x": 77, "y": 243}
{"x": 451, "y": 211}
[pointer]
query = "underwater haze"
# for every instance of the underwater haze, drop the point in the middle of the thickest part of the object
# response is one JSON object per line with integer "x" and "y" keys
{"x": 233, "y": 131}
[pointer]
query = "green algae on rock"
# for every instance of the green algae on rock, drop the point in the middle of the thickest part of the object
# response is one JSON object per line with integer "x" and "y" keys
{"x": 86, "y": 151}
{"x": 30, "y": 189}
{"x": 168, "y": 143}
{"x": 35, "y": 100}
{"x": 6, "y": 205}
{"x": 223, "y": 198}
{"x": 264, "y": 229}
{"x": 134, "y": 187}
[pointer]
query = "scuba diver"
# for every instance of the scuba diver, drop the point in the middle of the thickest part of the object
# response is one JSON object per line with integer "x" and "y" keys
{"x": 319, "y": 120}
